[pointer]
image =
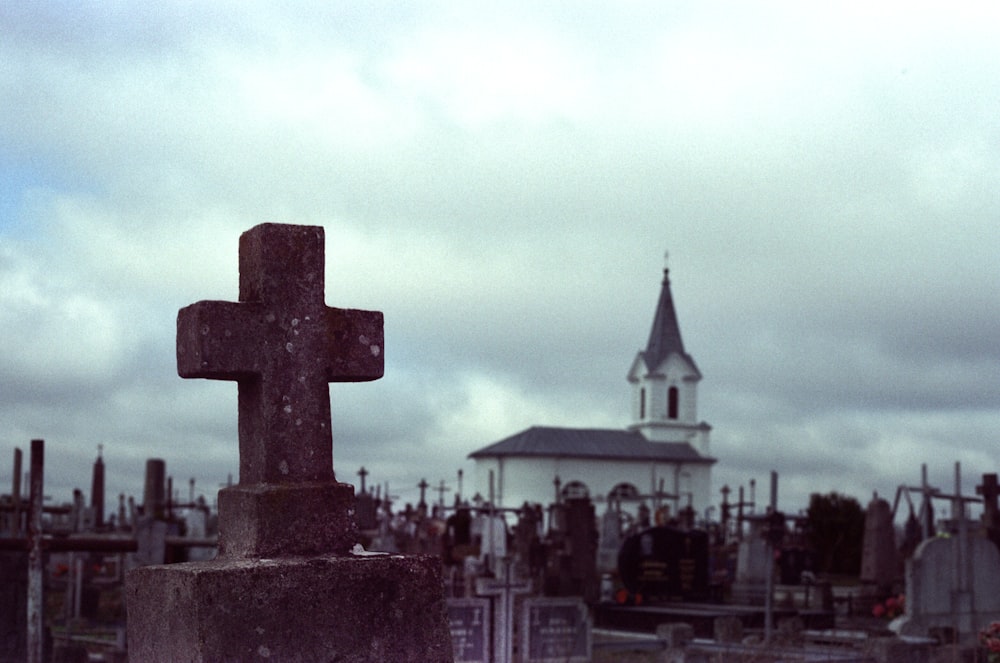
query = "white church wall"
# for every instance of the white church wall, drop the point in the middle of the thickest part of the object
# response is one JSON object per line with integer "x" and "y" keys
{"x": 519, "y": 480}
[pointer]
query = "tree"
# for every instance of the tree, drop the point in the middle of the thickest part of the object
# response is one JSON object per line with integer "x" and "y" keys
{"x": 835, "y": 529}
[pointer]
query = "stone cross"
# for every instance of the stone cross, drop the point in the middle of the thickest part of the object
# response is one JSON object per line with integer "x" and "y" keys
{"x": 282, "y": 345}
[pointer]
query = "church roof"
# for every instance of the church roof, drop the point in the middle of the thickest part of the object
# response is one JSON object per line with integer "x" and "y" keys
{"x": 592, "y": 443}
{"x": 665, "y": 336}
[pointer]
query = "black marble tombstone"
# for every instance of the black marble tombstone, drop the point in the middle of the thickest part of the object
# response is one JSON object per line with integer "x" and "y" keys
{"x": 666, "y": 564}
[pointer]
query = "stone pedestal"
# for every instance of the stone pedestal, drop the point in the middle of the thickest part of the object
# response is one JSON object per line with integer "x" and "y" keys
{"x": 268, "y": 520}
{"x": 344, "y": 608}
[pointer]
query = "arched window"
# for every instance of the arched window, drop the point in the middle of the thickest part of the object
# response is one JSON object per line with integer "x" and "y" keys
{"x": 642, "y": 403}
{"x": 673, "y": 396}
{"x": 575, "y": 490}
{"x": 623, "y": 491}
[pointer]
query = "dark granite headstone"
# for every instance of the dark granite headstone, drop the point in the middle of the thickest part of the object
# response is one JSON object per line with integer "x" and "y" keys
{"x": 665, "y": 563}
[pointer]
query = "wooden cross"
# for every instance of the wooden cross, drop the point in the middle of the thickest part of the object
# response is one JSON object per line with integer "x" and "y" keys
{"x": 282, "y": 345}
{"x": 362, "y": 473}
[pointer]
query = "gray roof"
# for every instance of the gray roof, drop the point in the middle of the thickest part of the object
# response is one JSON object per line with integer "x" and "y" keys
{"x": 594, "y": 443}
{"x": 665, "y": 336}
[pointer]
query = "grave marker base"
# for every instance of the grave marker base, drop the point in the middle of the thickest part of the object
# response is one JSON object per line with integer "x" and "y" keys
{"x": 340, "y": 608}
{"x": 271, "y": 520}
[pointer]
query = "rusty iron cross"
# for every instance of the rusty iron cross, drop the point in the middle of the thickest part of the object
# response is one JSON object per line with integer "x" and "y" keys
{"x": 282, "y": 344}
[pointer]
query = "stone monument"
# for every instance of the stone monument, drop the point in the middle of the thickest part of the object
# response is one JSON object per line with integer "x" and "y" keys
{"x": 880, "y": 566}
{"x": 288, "y": 583}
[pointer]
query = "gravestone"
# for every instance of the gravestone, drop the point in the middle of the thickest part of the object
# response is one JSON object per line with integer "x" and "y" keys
{"x": 469, "y": 620}
{"x": 752, "y": 558}
{"x": 951, "y": 585}
{"x": 879, "y": 559}
{"x": 286, "y": 585}
{"x": 151, "y": 543}
{"x": 13, "y": 606}
{"x": 990, "y": 490}
{"x": 610, "y": 540}
{"x": 666, "y": 563}
{"x": 555, "y": 630}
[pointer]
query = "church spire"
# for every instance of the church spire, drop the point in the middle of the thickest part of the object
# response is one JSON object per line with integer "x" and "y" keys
{"x": 664, "y": 381}
{"x": 665, "y": 336}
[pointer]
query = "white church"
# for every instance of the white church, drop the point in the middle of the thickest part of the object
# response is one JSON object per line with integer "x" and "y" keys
{"x": 661, "y": 460}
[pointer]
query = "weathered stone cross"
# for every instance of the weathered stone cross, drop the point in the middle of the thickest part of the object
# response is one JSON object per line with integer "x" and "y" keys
{"x": 282, "y": 345}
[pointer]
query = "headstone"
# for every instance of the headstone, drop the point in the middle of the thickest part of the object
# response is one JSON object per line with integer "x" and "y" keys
{"x": 196, "y": 521}
{"x": 364, "y": 512}
{"x": 610, "y": 539}
{"x": 879, "y": 560}
{"x": 581, "y": 539}
{"x": 154, "y": 500}
{"x": 752, "y": 558}
{"x": 990, "y": 490}
{"x": 458, "y": 537}
{"x": 490, "y": 531}
{"x": 666, "y": 563}
{"x": 286, "y": 585}
{"x": 151, "y": 543}
{"x": 13, "y": 606}
{"x": 529, "y": 551}
{"x": 555, "y": 630}
{"x": 571, "y": 567}
{"x": 937, "y": 594}
{"x": 469, "y": 623}
{"x": 97, "y": 490}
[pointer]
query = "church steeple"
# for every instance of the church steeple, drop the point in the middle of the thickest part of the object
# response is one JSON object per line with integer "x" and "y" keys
{"x": 665, "y": 336}
{"x": 664, "y": 380}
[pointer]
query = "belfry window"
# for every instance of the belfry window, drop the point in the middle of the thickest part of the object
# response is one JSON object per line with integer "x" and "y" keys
{"x": 642, "y": 403}
{"x": 673, "y": 397}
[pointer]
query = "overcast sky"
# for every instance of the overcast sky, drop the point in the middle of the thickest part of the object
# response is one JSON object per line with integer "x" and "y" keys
{"x": 502, "y": 180}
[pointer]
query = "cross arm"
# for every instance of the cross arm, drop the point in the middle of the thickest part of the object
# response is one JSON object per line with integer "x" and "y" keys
{"x": 211, "y": 340}
{"x": 356, "y": 353}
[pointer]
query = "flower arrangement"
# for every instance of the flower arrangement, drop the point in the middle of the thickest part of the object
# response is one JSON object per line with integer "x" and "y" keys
{"x": 989, "y": 637}
{"x": 891, "y": 608}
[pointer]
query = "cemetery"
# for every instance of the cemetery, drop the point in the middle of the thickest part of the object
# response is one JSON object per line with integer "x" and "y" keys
{"x": 293, "y": 564}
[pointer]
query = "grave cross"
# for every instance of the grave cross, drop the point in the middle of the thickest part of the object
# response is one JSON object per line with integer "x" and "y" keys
{"x": 503, "y": 616}
{"x": 423, "y": 485}
{"x": 441, "y": 490}
{"x": 282, "y": 345}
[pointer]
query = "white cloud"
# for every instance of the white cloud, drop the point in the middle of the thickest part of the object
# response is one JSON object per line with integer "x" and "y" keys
{"x": 503, "y": 183}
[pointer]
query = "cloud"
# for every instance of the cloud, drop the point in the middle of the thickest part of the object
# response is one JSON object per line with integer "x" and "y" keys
{"x": 503, "y": 184}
